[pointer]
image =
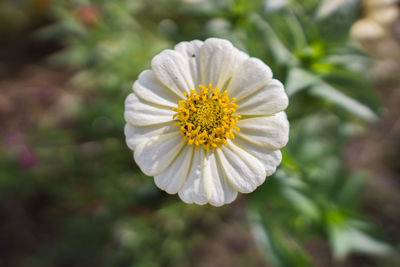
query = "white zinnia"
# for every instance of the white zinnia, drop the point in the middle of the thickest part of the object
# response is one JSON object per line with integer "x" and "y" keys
{"x": 207, "y": 144}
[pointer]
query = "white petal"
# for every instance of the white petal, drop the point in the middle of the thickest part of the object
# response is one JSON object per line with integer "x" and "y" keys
{"x": 172, "y": 69}
{"x": 134, "y": 135}
{"x": 141, "y": 113}
{"x": 270, "y": 132}
{"x": 172, "y": 179}
{"x": 250, "y": 76}
{"x": 243, "y": 171}
{"x": 191, "y": 51}
{"x": 268, "y": 100}
{"x": 216, "y": 59}
{"x": 218, "y": 190}
{"x": 156, "y": 154}
{"x": 150, "y": 89}
{"x": 240, "y": 57}
{"x": 193, "y": 190}
{"x": 269, "y": 158}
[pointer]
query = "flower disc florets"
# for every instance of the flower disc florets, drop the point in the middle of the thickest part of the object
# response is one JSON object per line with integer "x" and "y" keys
{"x": 206, "y": 118}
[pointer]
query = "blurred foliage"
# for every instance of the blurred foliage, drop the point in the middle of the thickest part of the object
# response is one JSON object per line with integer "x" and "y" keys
{"x": 102, "y": 211}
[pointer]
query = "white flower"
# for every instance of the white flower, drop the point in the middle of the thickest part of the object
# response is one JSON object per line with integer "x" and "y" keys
{"x": 204, "y": 143}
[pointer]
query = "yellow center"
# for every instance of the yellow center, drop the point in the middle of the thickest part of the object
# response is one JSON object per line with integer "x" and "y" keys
{"x": 206, "y": 118}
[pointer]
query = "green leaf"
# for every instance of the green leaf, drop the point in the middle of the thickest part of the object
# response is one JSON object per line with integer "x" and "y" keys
{"x": 305, "y": 205}
{"x": 298, "y": 79}
{"x": 330, "y": 7}
{"x": 296, "y": 29}
{"x": 333, "y": 95}
{"x": 346, "y": 239}
{"x": 280, "y": 52}
{"x": 261, "y": 237}
{"x": 280, "y": 249}
{"x": 335, "y": 17}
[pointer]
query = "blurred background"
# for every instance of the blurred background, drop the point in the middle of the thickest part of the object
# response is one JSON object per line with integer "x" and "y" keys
{"x": 71, "y": 194}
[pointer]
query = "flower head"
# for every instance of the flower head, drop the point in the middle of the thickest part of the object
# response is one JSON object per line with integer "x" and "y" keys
{"x": 207, "y": 121}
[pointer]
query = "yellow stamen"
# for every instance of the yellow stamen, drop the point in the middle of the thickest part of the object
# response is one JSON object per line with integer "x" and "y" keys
{"x": 206, "y": 118}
